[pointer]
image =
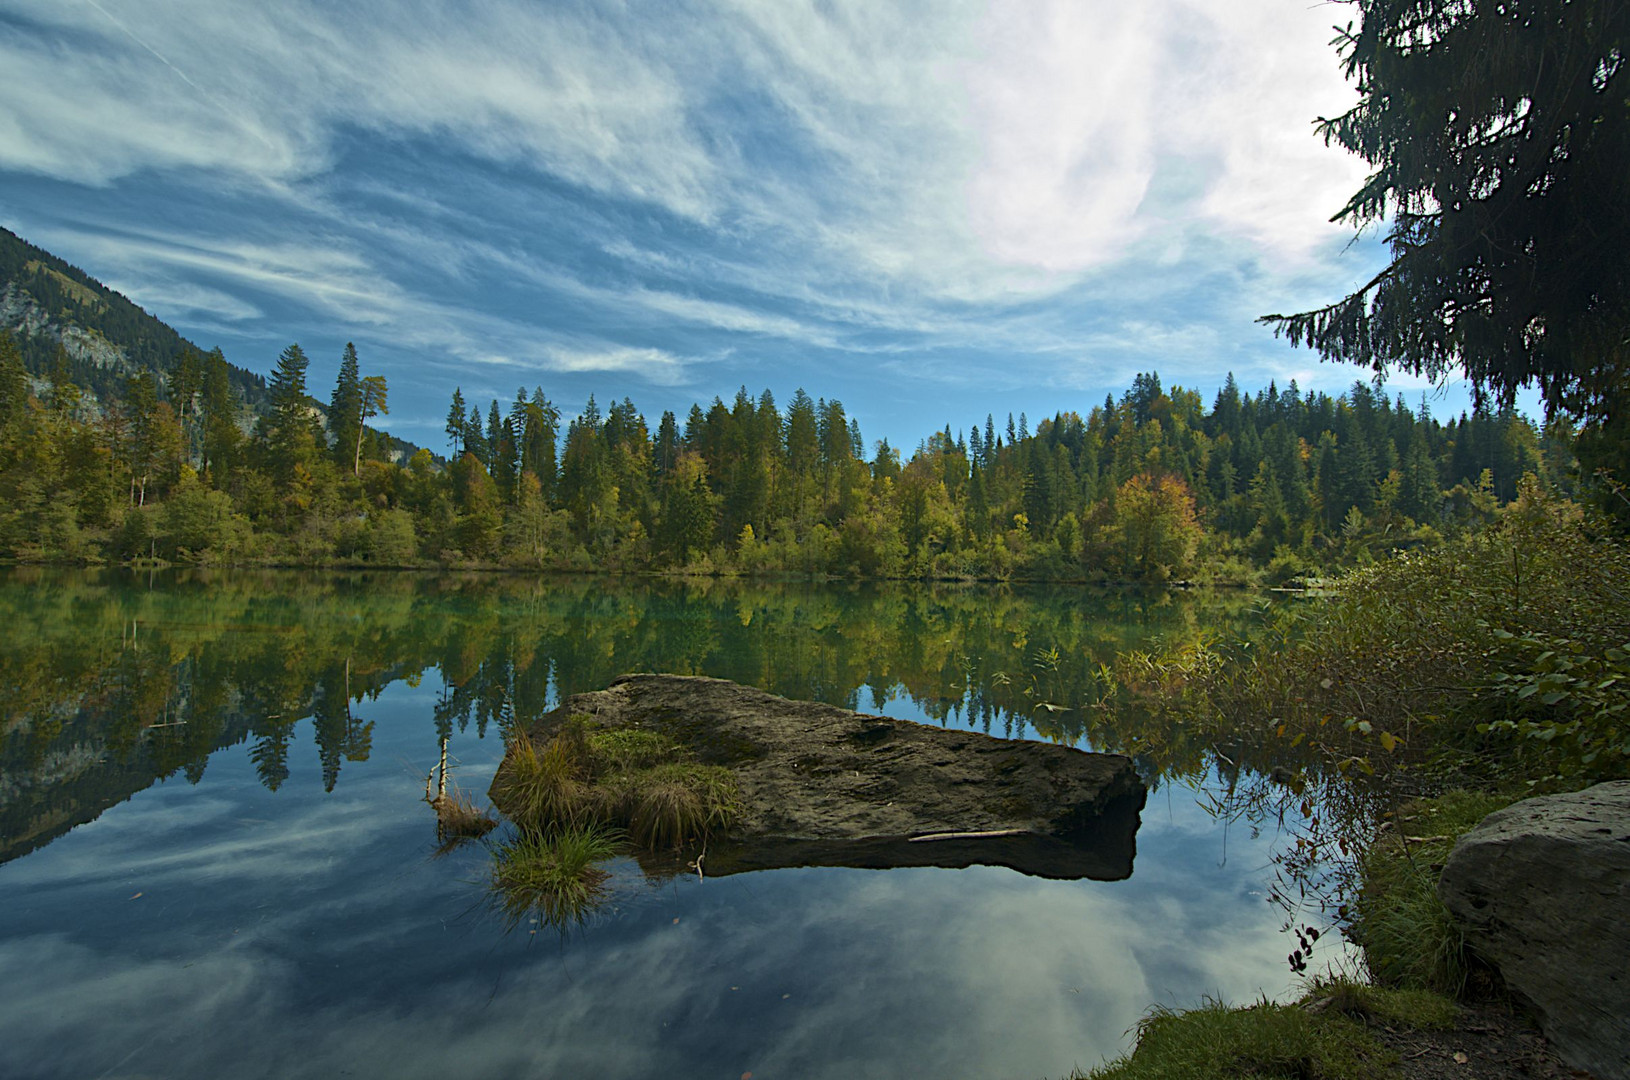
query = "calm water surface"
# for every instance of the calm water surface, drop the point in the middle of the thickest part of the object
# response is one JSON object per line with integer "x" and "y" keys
{"x": 218, "y": 861}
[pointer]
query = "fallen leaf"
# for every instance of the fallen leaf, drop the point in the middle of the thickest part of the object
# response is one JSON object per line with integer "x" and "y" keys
{"x": 1461, "y": 1059}
{"x": 746, "y": 1076}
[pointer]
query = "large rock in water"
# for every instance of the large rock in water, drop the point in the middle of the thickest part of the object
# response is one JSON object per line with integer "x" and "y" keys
{"x": 824, "y": 786}
{"x": 1543, "y": 890}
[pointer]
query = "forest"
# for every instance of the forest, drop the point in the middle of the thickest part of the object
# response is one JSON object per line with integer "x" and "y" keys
{"x": 1156, "y": 486}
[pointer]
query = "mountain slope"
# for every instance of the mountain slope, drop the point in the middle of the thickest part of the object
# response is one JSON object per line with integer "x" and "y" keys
{"x": 46, "y": 302}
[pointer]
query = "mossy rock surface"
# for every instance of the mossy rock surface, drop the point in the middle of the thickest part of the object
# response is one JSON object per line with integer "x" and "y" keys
{"x": 825, "y": 786}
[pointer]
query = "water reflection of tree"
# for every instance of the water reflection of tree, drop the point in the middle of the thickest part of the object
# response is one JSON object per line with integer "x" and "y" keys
{"x": 157, "y": 678}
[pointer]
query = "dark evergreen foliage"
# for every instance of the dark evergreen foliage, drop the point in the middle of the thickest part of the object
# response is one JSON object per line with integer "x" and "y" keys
{"x": 1500, "y": 136}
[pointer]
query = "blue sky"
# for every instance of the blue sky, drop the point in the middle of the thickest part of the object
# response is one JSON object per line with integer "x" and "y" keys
{"x": 928, "y": 210}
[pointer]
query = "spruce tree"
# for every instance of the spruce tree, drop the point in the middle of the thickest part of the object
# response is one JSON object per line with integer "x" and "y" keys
{"x": 455, "y": 423}
{"x": 345, "y": 410}
{"x": 1500, "y": 141}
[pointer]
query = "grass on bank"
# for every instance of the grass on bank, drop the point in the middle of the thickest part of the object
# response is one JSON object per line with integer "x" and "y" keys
{"x": 1324, "y": 1036}
{"x": 1408, "y": 937}
{"x": 1415, "y": 956}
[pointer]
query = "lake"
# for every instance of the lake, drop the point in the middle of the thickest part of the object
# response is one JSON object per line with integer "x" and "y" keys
{"x": 217, "y": 858}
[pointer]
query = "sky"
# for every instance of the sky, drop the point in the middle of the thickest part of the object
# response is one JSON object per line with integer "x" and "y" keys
{"x": 930, "y": 211}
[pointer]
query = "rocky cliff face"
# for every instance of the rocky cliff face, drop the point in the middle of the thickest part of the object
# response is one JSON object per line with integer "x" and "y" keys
{"x": 22, "y": 314}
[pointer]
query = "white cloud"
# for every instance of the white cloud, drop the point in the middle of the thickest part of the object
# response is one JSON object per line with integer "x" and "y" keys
{"x": 955, "y": 152}
{"x": 1062, "y": 105}
{"x": 654, "y": 365}
{"x": 327, "y": 276}
{"x": 896, "y": 181}
{"x": 114, "y": 89}
{"x": 193, "y": 300}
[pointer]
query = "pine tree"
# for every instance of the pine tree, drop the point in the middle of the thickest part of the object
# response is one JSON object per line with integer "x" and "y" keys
{"x": 345, "y": 410}
{"x": 538, "y": 443}
{"x": 1501, "y": 148}
{"x": 375, "y": 402}
{"x": 292, "y": 431}
{"x": 223, "y": 440}
{"x": 455, "y": 423}
{"x": 474, "y": 441}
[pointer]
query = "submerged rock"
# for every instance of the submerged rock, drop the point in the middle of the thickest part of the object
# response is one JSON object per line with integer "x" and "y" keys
{"x": 1542, "y": 889}
{"x": 824, "y": 786}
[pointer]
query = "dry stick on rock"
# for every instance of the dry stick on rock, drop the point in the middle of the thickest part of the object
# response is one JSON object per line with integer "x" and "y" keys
{"x": 987, "y": 834}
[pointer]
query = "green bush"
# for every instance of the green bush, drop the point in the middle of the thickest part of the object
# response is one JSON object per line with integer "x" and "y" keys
{"x": 390, "y": 539}
{"x": 1500, "y": 655}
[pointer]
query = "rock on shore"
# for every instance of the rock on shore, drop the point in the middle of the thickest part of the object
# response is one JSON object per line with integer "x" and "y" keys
{"x": 824, "y": 786}
{"x": 1542, "y": 890}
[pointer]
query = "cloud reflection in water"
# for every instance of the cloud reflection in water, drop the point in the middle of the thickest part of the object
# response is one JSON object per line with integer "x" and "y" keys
{"x": 299, "y": 933}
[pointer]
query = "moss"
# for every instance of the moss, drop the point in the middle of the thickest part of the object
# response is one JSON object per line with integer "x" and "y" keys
{"x": 707, "y": 742}
{"x": 617, "y": 750}
{"x": 1409, "y": 939}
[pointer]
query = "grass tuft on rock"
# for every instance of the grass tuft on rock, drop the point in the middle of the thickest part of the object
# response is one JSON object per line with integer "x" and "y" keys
{"x": 623, "y": 778}
{"x": 671, "y": 803}
{"x": 540, "y": 789}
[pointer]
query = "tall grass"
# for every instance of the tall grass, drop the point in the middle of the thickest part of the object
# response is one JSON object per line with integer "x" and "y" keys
{"x": 541, "y": 789}
{"x": 619, "y": 778}
{"x": 1409, "y": 938}
{"x": 458, "y": 819}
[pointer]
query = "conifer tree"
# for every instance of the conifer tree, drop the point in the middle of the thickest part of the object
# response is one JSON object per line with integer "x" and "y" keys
{"x": 292, "y": 433}
{"x": 345, "y": 410}
{"x": 455, "y": 423}
{"x": 1500, "y": 143}
{"x": 375, "y": 402}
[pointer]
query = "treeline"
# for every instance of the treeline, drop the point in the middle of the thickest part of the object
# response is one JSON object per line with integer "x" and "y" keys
{"x": 1153, "y": 486}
